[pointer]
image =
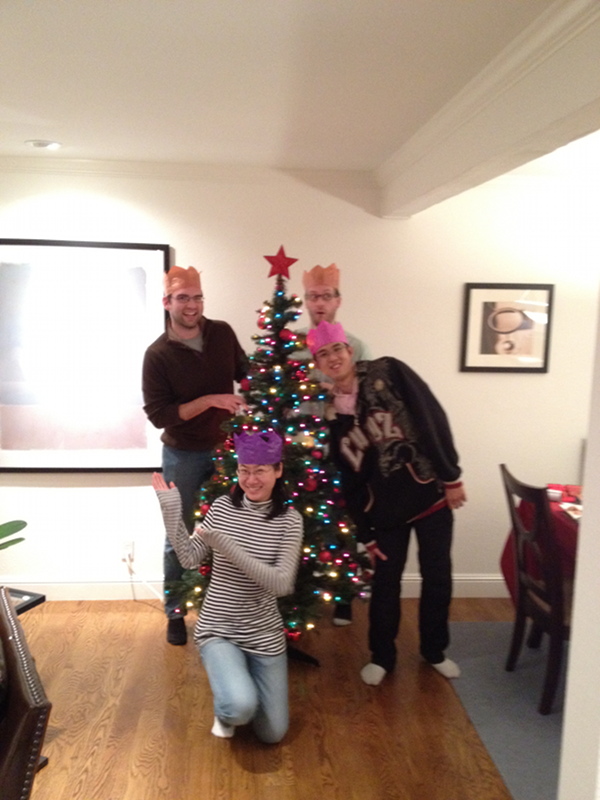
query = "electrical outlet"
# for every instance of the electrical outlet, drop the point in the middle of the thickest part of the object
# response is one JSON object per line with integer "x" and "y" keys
{"x": 128, "y": 552}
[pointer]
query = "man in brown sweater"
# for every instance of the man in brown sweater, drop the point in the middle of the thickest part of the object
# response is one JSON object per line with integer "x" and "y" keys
{"x": 188, "y": 385}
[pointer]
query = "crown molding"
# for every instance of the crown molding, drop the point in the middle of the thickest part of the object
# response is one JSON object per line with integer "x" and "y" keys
{"x": 507, "y": 115}
{"x": 161, "y": 170}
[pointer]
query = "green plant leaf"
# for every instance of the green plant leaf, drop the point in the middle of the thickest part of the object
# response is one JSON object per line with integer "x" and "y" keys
{"x": 9, "y": 528}
{"x": 4, "y": 545}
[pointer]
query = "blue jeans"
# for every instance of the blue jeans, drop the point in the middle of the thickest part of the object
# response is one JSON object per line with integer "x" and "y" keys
{"x": 248, "y": 688}
{"x": 188, "y": 469}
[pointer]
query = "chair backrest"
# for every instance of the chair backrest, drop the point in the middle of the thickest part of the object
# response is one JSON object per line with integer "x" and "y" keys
{"x": 539, "y": 573}
{"x": 24, "y": 709}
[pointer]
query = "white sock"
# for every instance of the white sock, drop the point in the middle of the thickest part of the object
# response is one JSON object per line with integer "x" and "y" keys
{"x": 447, "y": 668}
{"x": 373, "y": 674}
{"x": 221, "y": 730}
{"x": 340, "y": 621}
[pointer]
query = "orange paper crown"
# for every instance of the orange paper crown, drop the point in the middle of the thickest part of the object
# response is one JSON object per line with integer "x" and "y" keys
{"x": 178, "y": 277}
{"x": 321, "y": 276}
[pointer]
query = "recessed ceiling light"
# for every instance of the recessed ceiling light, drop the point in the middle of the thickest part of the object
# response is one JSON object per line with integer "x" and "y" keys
{"x": 44, "y": 144}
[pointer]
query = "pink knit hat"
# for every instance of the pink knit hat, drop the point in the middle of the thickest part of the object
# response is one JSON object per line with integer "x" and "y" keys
{"x": 325, "y": 333}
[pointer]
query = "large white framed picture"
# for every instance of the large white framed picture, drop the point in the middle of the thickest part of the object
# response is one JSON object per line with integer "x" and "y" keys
{"x": 75, "y": 320}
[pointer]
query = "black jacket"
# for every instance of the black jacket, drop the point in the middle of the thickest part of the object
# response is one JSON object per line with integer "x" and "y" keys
{"x": 396, "y": 453}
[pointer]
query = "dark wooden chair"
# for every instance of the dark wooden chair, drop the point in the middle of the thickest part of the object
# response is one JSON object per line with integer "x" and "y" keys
{"x": 24, "y": 708}
{"x": 543, "y": 596}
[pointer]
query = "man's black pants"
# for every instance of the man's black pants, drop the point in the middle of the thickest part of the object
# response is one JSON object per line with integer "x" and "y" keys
{"x": 434, "y": 538}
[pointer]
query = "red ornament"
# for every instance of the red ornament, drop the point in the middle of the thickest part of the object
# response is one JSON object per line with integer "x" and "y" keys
{"x": 286, "y": 335}
{"x": 204, "y": 508}
{"x": 245, "y": 384}
{"x": 317, "y": 454}
{"x": 280, "y": 263}
{"x": 293, "y": 635}
{"x": 310, "y": 484}
{"x": 204, "y": 570}
{"x": 261, "y": 323}
{"x": 324, "y": 557}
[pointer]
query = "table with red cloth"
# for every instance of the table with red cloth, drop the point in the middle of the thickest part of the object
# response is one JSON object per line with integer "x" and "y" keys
{"x": 566, "y": 529}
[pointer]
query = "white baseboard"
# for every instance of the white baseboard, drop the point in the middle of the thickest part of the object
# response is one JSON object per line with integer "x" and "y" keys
{"x": 463, "y": 586}
{"x": 102, "y": 590}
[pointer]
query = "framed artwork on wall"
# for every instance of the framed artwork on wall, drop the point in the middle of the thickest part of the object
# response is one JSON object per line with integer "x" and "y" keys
{"x": 506, "y": 327}
{"x": 75, "y": 321}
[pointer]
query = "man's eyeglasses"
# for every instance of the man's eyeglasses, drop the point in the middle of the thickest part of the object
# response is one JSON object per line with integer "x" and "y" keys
{"x": 326, "y": 296}
{"x": 331, "y": 350}
{"x": 185, "y": 298}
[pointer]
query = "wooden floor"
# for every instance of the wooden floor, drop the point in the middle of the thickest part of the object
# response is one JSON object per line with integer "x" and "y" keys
{"x": 131, "y": 717}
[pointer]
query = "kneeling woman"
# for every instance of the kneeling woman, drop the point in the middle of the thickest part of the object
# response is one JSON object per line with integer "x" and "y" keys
{"x": 255, "y": 539}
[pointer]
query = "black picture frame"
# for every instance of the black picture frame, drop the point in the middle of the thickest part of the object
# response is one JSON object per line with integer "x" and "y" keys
{"x": 506, "y": 327}
{"x": 23, "y": 601}
{"x": 75, "y": 320}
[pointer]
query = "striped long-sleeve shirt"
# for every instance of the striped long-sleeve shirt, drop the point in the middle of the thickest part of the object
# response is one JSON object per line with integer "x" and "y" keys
{"x": 255, "y": 560}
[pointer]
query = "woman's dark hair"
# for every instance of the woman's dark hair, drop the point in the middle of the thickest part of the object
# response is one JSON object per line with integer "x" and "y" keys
{"x": 279, "y": 496}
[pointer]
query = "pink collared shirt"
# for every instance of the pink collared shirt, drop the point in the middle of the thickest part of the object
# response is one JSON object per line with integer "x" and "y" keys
{"x": 345, "y": 403}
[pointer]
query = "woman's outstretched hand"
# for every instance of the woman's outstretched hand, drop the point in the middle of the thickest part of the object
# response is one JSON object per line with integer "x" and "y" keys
{"x": 159, "y": 484}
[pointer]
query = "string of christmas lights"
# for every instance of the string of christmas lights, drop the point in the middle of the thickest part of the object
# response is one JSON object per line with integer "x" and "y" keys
{"x": 277, "y": 390}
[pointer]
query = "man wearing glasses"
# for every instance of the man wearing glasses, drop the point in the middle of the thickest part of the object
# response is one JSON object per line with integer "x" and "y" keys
{"x": 322, "y": 299}
{"x": 393, "y": 445}
{"x": 187, "y": 383}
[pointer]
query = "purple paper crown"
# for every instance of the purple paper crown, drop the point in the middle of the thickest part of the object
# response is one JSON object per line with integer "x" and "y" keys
{"x": 325, "y": 333}
{"x": 258, "y": 447}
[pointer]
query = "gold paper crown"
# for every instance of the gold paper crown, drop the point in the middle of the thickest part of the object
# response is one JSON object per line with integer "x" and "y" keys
{"x": 321, "y": 276}
{"x": 178, "y": 277}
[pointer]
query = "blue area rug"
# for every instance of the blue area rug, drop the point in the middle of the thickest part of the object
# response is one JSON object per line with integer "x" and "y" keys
{"x": 524, "y": 745}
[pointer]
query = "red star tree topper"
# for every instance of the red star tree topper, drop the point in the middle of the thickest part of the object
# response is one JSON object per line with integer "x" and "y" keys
{"x": 280, "y": 263}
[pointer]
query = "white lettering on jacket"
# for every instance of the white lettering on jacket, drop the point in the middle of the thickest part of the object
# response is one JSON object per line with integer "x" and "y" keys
{"x": 380, "y": 428}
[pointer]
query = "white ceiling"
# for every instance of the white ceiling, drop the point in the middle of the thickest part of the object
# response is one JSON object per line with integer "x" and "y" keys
{"x": 288, "y": 84}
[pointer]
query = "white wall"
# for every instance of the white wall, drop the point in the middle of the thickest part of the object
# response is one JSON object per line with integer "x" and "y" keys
{"x": 402, "y": 285}
{"x": 580, "y": 756}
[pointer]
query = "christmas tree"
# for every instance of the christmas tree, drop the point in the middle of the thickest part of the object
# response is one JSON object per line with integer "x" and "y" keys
{"x": 280, "y": 395}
